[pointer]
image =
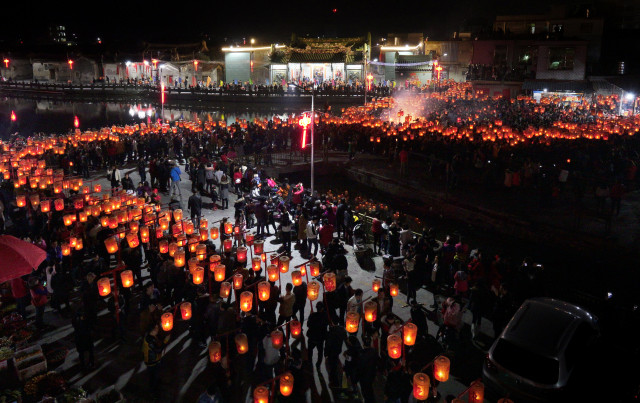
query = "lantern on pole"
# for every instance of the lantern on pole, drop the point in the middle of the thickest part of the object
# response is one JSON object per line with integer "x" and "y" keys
{"x": 296, "y": 278}
{"x": 185, "y": 310}
{"x": 283, "y": 263}
{"x": 441, "y": 366}
{"x": 376, "y": 285}
{"x": 228, "y": 228}
{"x": 237, "y": 281}
{"x": 329, "y": 282}
{"x": 248, "y": 238}
{"x": 13, "y": 116}
{"x": 313, "y": 290}
{"x": 215, "y": 351}
{"x": 66, "y": 249}
{"x": 256, "y": 263}
{"x": 241, "y": 254}
{"x": 163, "y": 246}
{"x": 295, "y": 328}
{"x": 219, "y": 272}
{"x": 177, "y": 215}
{"x": 178, "y": 258}
{"x": 45, "y": 206}
{"x": 76, "y": 122}
{"x": 201, "y": 252}
{"x": 246, "y": 301}
{"x": 277, "y": 337}
{"x": 58, "y": 204}
{"x": 127, "y": 278}
{"x": 173, "y": 247}
{"x": 242, "y": 343}
{"x": 132, "y": 240}
{"x": 111, "y": 244}
{"x": 198, "y": 275}
{"x": 225, "y": 289}
{"x": 352, "y": 322}
{"x": 314, "y": 268}
{"x": 304, "y": 121}
{"x": 104, "y": 286}
{"x": 79, "y": 244}
{"x": 258, "y": 247}
{"x": 261, "y": 395}
{"x": 264, "y": 291}
{"x": 286, "y": 384}
{"x": 370, "y": 311}
{"x": 421, "y": 385}
{"x": 409, "y": 333}
{"x": 476, "y": 392}
{"x": 227, "y": 244}
{"x": 393, "y": 289}
{"x": 273, "y": 274}
{"x": 215, "y": 233}
{"x": 166, "y": 321}
{"x": 21, "y": 201}
{"x": 394, "y": 346}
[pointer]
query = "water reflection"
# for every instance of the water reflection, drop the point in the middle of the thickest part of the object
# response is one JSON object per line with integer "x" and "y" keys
{"x": 53, "y": 116}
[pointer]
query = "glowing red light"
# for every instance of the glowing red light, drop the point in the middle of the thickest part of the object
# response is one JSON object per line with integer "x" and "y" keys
{"x": 195, "y": 64}
{"x": 13, "y": 116}
{"x": 304, "y": 121}
{"x": 76, "y": 122}
{"x": 6, "y": 63}
{"x": 70, "y": 64}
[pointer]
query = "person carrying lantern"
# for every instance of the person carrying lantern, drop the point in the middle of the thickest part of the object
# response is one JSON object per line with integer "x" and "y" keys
{"x": 153, "y": 350}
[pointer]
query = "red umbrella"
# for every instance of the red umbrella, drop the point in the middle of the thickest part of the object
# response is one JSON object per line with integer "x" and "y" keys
{"x": 18, "y": 257}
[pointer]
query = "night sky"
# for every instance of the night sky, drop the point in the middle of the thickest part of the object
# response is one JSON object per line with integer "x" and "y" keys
{"x": 267, "y": 20}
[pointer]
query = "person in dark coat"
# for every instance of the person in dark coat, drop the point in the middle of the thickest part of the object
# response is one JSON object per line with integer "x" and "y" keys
{"x": 195, "y": 207}
{"x": 300, "y": 292}
{"x": 317, "y": 332}
{"x": 367, "y": 367}
{"x": 83, "y": 339}
{"x": 336, "y": 337}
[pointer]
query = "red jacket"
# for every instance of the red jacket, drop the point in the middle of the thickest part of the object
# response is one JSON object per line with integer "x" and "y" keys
{"x": 18, "y": 288}
{"x": 326, "y": 234}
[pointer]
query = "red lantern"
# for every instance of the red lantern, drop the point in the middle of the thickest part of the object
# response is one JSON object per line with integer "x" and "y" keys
{"x": 104, "y": 286}
{"x": 198, "y": 275}
{"x": 283, "y": 263}
{"x": 296, "y": 278}
{"x": 476, "y": 392}
{"x": 219, "y": 272}
{"x": 264, "y": 291}
{"x": 295, "y": 327}
{"x": 227, "y": 244}
{"x": 173, "y": 247}
{"x": 35, "y": 201}
{"x": 248, "y": 238}
{"x": 66, "y": 249}
{"x": 409, "y": 333}
{"x": 164, "y": 246}
{"x": 97, "y": 188}
{"x": 277, "y": 339}
{"x": 167, "y": 321}
{"x": 111, "y": 244}
{"x": 272, "y": 273}
{"x": 144, "y": 234}
{"x": 421, "y": 385}
{"x": 394, "y": 346}
{"x": 82, "y": 216}
{"x": 237, "y": 281}
{"x": 261, "y": 395}
{"x": 225, "y": 289}
{"x": 204, "y": 225}
{"x": 246, "y": 301}
{"x": 370, "y": 311}
{"x": 376, "y": 285}
{"x": 45, "y": 206}
{"x": 58, "y": 204}
{"x": 329, "y": 282}
{"x": 185, "y": 310}
{"x": 242, "y": 343}
{"x": 256, "y": 264}
{"x": 79, "y": 244}
{"x": 286, "y": 384}
{"x": 188, "y": 227}
{"x": 215, "y": 351}
{"x": 393, "y": 289}
{"x": 441, "y": 366}
{"x": 133, "y": 241}
{"x": 68, "y": 220}
{"x": 352, "y": 321}
{"x": 177, "y": 215}
{"x": 201, "y": 252}
{"x": 228, "y": 228}
{"x": 313, "y": 290}
{"x": 314, "y": 268}
{"x": 215, "y": 233}
{"x": 241, "y": 254}
{"x": 204, "y": 235}
{"x": 127, "y": 278}
{"x": 179, "y": 258}
{"x": 258, "y": 247}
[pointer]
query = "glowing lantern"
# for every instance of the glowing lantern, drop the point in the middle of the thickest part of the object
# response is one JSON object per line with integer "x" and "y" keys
{"x": 476, "y": 392}
{"x": 393, "y": 289}
{"x": 68, "y": 220}
{"x": 215, "y": 233}
{"x": 394, "y": 346}
{"x": 66, "y": 249}
{"x": 57, "y": 187}
{"x": 185, "y": 310}
{"x": 127, "y": 278}
{"x": 441, "y": 366}
{"x": 370, "y": 311}
{"x": 237, "y": 281}
{"x": 277, "y": 339}
{"x": 258, "y": 247}
{"x": 198, "y": 275}
{"x": 227, "y": 244}
{"x": 97, "y": 188}
{"x": 164, "y": 223}
{"x": 121, "y": 232}
{"x": 204, "y": 235}
{"x": 177, "y": 215}
{"x": 219, "y": 272}
{"x": 188, "y": 227}
{"x": 314, "y": 268}
{"x": 173, "y": 247}
{"x": 104, "y": 286}
{"x": 176, "y": 229}
{"x": 228, "y": 228}
{"x": 295, "y": 327}
{"x": 256, "y": 264}
{"x": 272, "y": 273}
{"x": 201, "y": 252}
{"x": 78, "y": 204}
{"x": 179, "y": 258}
{"x": 181, "y": 240}
{"x": 246, "y": 301}
{"x": 204, "y": 224}
{"x": 144, "y": 234}
{"x": 286, "y": 384}
{"x": 111, "y": 244}
{"x": 45, "y": 206}
{"x": 242, "y": 343}
{"x": 263, "y": 257}
{"x": 409, "y": 333}
{"x": 215, "y": 351}
{"x": 113, "y": 222}
{"x": 261, "y": 395}
{"x": 79, "y": 244}
{"x": 329, "y": 282}
{"x": 296, "y": 278}
{"x": 225, "y": 289}
{"x": 248, "y": 238}
{"x": 214, "y": 259}
{"x": 313, "y": 290}
{"x": 264, "y": 291}
{"x": 352, "y": 321}
{"x": 193, "y": 263}
{"x": 82, "y": 216}
{"x": 376, "y": 284}
{"x": 421, "y": 385}
{"x": 241, "y": 254}
{"x": 134, "y": 226}
{"x": 73, "y": 241}
{"x": 283, "y": 263}
{"x": 164, "y": 246}
{"x": 35, "y": 200}
{"x": 132, "y": 240}
{"x": 166, "y": 321}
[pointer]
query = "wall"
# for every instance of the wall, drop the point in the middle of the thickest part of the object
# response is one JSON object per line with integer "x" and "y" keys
{"x": 18, "y": 70}
{"x": 237, "y": 67}
{"x": 579, "y": 63}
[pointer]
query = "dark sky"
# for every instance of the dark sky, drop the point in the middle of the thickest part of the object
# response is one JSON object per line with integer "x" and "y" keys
{"x": 267, "y": 20}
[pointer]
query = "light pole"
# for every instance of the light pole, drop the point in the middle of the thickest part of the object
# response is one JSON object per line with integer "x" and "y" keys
{"x": 313, "y": 122}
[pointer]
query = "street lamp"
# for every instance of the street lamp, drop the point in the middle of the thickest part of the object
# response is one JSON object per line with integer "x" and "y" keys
{"x": 313, "y": 122}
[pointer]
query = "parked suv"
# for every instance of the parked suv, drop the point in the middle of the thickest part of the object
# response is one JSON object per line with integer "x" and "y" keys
{"x": 540, "y": 353}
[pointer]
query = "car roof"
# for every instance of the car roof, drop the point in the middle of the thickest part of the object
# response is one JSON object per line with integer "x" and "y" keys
{"x": 544, "y": 325}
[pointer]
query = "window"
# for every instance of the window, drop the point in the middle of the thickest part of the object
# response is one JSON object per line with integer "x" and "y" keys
{"x": 526, "y": 363}
{"x": 561, "y": 58}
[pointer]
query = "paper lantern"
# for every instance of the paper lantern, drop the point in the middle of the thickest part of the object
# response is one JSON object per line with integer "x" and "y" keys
{"x": 78, "y": 203}
{"x": 127, "y": 278}
{"x": 409, "y": 333}
{"x": 421, "y": 385}
{"x": 225, "y": 289}
{"x": 132, "y": 240}
{"x": 313, "y": 290}
{"x": 329, "y": 280}
{"x": 236, "y": 230}
{"x": 261, "y": 395}
{"x": 181, "y": 240}
{"x": 111, "y": 244}
{"x": 370, "y": 311}
{"x": 441, "y": 366}
{"x": 82, "y": 216}
{"x": 97, "y": 188}
{"x": 35, "y": 200}
{"x": 203, "y": 235}
{"x": 201, "y": 252}
{"x": 263, "y": 257}
{"x": 214, "y": 259}
{"x": 73, "y": 241}
{"x": 163, "y": 246}
{"x": 79, "y": 244}
{"x": 176, "y": 229}
{"x": 215, "y": 233}
{"x": 246, "y": 301}
{"x": 241, "y": 254}
{"x": 166, "y": 321}
{"x": 303, "y": 270}
{"x": 256, "y": 264}
{"x": 248, "y": 238}
{"x": 314, "y": 268}
{"x": 394, "y": 346}
{"x": 121, "y": 232}
{"x": 227, "y": 244}
{"x": 286, "y": 384}
{"x": 204, "y": 225}
{"x": 177, "y": 215}
{"x": 275, "y": 260}
{"x": 295, "y": 328}
{"x": 68, "y": 220}
{"x": 351, "y": 322}
{"x": 215, "y": 351}
{"x": 193, "y": 263}
{"x": 283, "y": 263}
{"x": 228, "y": 228}
{"x": 66, "y": 249}
{"x": 144, "y": 234}
{"x": 104, "y": 286}
{"x": 264, "y": 291}
{"x": 273, "y": 273}
{"x": 58, "y": 204}
{"x": 376, "y": 285}
{"x": 258, "y": 247}
{"x": 277, "y": 338}
{"x": 393, "y": 289}
{"x": 164, "y": 223}
{"x": 179, "y": 258}
{"x": 113, "y": 222}
{"x": 45, "y": 206}
{"x": 198, "y": 275}
{"x": 173, "y": 247}
{"x": 134, "y": 226}
{"x": 237, "y": 281}
{"x": 57, "y": 187}
{"x": 476, "y": 392}
{"x": 188, "y": 227}
{"x": 219, "y": 272}
{"x": 242, "y": 343}
{"x": 296, "y": 278}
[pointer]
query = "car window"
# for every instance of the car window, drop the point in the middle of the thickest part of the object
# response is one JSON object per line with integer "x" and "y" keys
{"x": 526, "y": 363}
